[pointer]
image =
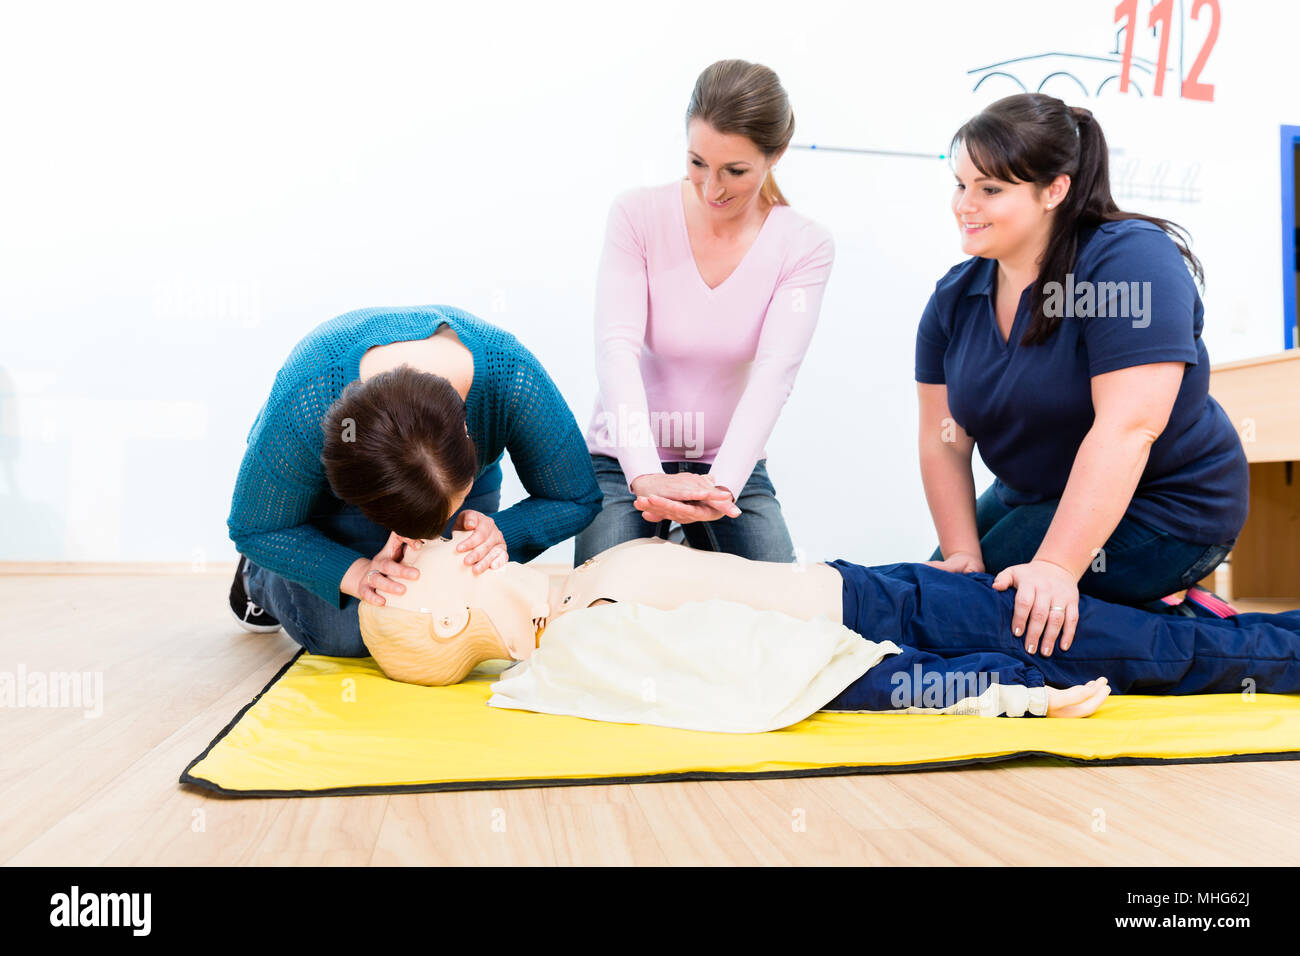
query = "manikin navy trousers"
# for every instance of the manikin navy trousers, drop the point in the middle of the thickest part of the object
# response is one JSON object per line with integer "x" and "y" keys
{"x": 955, "y": 626}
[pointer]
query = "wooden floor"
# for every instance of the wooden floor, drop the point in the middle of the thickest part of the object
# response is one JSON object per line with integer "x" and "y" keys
{"x": 87, "y": 791}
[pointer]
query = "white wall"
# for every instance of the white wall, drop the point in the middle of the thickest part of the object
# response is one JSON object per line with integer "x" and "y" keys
{"x": 188, "y": 190}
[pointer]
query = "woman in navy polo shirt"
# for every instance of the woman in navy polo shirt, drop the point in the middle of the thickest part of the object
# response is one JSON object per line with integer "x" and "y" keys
{"x": 1068, "y": 348}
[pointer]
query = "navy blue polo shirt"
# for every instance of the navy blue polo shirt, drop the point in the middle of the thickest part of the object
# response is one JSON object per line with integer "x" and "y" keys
{"x": 1029, "y": 407}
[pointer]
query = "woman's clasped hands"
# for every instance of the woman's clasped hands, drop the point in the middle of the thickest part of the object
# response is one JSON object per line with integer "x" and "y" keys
{"x": 683, "y": 498}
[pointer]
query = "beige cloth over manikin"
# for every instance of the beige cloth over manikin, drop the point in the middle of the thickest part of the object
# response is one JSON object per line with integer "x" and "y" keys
{"x": 707, "y": 665}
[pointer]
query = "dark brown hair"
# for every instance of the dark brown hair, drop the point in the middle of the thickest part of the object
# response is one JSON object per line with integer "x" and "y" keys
{"x": 1033, "y": 138}
{"x": 746, "y": 99}
{"x": 395, "y": 446}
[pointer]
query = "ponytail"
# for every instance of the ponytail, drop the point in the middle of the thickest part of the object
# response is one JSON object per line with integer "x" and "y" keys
{"x": 770, "y": 192}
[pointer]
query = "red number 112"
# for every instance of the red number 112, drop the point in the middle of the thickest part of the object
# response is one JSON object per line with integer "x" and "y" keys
{"x": 1162, "y": 16}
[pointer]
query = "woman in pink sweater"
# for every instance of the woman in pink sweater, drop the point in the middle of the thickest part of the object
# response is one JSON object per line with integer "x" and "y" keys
{"x": 707, "y": 297}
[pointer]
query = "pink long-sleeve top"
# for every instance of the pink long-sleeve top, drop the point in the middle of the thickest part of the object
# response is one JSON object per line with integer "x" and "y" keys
{"x": 689, "y": 373}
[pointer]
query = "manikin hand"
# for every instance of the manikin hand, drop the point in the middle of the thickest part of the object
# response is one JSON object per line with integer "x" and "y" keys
{"x": 1081, "y": 700}
{"x": 1047, "y": 603}
{"x": 959, "y": 562}
{"x": 486, "y": 546}
{"x": 683, "y": 498}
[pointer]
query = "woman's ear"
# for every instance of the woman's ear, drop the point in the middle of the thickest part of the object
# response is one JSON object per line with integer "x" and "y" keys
{"x": 450, "y": 623}
{"x": 1058, "y": 189}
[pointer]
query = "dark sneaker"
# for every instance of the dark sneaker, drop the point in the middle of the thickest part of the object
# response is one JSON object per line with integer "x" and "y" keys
{"x": 1209, "y": 604}
{"x": 249, "y": 616}
{"x": 1171, "y": 605}
{"x": 1197, "y": 602}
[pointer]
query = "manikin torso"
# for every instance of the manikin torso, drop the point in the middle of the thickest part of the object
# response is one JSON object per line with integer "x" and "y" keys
{"x": 665, "y": 575}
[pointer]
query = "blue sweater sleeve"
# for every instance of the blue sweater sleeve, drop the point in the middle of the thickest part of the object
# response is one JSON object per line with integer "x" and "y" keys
{"x": 280, "y": 479}
{"x": 550, "y": 455}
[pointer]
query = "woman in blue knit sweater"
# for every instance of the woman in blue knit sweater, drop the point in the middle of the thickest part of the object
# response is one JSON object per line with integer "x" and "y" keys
{"x": 385, "y": 427}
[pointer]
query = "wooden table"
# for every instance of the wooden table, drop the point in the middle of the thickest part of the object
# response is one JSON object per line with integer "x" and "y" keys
{"x": 1262, "y": 398}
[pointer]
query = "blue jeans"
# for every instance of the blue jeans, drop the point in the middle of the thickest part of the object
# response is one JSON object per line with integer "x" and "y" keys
{"x": 1138, "y": 565}
{"x": 324, "y": 628}
{"x": 759, "y": 533}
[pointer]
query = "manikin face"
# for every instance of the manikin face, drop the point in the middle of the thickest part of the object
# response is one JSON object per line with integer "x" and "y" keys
{"x": 726, "y": 169}
{"x": 514, "y": 597}
{"x": 1002, "y": 220}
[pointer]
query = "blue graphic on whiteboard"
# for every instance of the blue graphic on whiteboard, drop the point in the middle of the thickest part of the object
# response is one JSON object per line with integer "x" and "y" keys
{"x": 1069, "y": 74}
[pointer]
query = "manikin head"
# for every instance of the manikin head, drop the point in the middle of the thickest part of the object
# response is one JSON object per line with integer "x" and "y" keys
{"x": 450, "y": 619}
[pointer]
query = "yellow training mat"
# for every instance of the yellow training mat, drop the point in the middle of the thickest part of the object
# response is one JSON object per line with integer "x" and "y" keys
{"x": 336, "y": 725}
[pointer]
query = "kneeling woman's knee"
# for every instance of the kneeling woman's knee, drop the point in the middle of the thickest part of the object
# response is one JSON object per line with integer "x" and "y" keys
{"x": 341, "y": 640}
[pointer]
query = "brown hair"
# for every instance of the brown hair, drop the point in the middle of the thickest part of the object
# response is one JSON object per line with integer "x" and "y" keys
{"x": 395, "y": 446}
{"x": 1033, "y": 138}
{"x": 746, "y": 99}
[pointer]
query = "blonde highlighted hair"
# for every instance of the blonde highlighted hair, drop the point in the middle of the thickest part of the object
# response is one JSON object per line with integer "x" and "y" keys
{"x": 406, "y": 647}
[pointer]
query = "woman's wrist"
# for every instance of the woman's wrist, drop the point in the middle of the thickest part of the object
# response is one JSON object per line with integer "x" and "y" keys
{"x": 1063, "y": 564}
{"x": 632, "y": 485}
{"x": 351, "y": 583}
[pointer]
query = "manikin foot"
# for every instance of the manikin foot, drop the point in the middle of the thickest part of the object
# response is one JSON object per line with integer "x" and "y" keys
{"x": 1082, "y": 700}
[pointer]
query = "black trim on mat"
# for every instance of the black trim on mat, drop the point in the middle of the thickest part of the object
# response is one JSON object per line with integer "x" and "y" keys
{"x": 688, "y": 775}
{"x": 185, "y": 774}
